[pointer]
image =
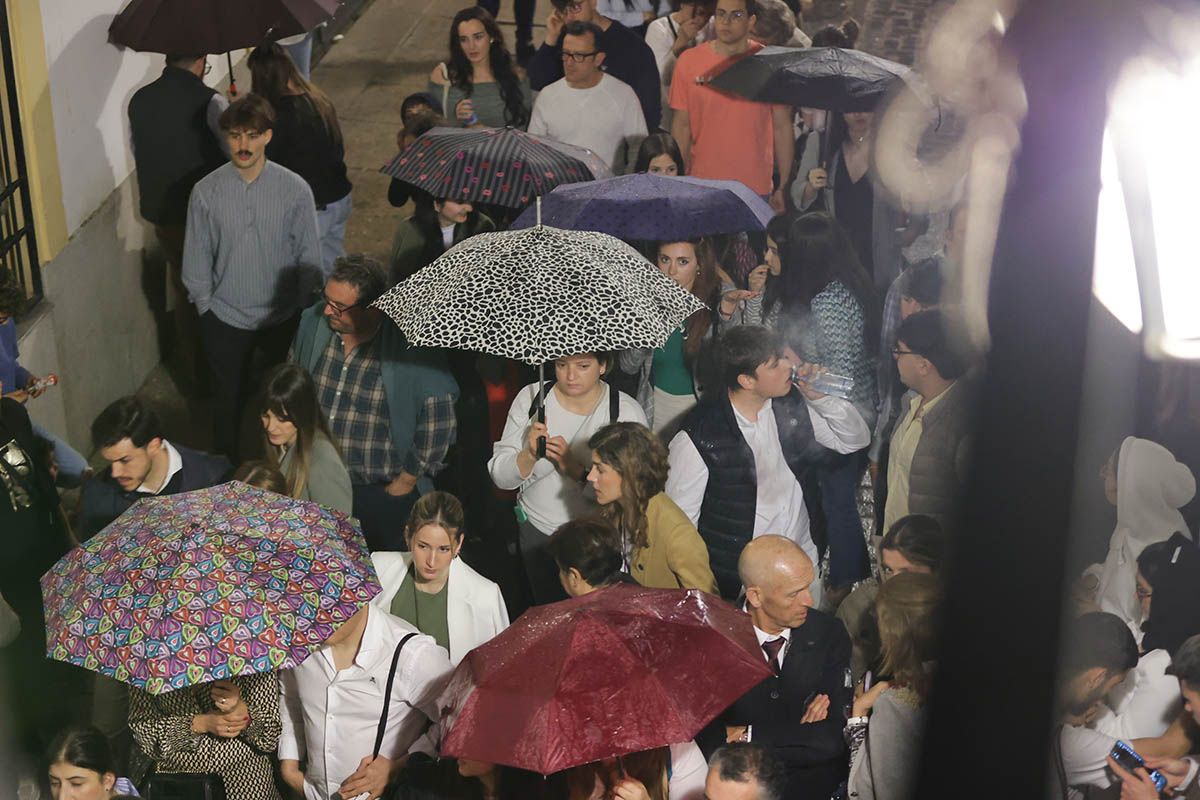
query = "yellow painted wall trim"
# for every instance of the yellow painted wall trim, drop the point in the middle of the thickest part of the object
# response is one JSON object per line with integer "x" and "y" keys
{"x": 37, "y": 124}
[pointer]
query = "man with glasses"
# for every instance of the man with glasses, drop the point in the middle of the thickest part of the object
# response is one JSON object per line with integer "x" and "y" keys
{"x": 251, "y": 261}
{"x": 588, "y": 108}
{"x": 721, "y": 135}
{"x": 928, "y": 463}
{"x": 176, "y": 141}
{"x": 627, "y": 57}
{"x": 390, "y": 406}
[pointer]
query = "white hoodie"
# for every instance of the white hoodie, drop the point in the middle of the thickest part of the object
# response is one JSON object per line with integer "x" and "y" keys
{"x": 1151, "y": 487}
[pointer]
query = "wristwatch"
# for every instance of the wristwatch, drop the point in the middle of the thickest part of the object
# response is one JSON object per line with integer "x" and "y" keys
{"x": 857, "y": 722}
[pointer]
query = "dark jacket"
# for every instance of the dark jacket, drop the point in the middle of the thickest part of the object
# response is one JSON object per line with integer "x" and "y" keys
{"x": 103, "y": 499}
{"x": 940, "y": 463}
{"x": 300, "y": 142}
{"x": 727, "y": 513}
{"x": 815, "y": 754}
{"x": 173, "y": 147}
{"x": 415, "y": 246}
{"x": 627, "y": 57}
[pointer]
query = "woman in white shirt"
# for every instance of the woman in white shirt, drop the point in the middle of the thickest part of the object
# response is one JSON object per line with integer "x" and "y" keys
{"x": 432, "y": 588}
{"x": 552, "y": 488}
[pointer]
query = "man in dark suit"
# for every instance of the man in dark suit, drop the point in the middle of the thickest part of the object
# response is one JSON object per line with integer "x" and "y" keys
{"x": 141, "y": 463}
{"x": 799, "y": 712}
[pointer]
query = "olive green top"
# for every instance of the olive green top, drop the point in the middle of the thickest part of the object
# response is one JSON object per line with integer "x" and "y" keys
{"x": 427, "y": 612}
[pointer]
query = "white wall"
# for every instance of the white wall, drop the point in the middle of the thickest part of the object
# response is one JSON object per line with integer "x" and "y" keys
{"x": 91, "y": 82}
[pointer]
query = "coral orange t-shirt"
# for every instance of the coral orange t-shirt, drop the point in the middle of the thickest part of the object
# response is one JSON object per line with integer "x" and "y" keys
{"x": 732, "y": 138}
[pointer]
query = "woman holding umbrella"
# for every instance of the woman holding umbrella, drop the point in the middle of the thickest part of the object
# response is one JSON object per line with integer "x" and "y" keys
{"x": 551, "y": 480}
{"x": 661, "y": 546}
{"x": 228, "y": 727}
{"x": 478, "y": 85}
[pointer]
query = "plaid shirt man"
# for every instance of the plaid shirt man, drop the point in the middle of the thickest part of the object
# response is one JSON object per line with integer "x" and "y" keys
{"x": 351, "y": 392}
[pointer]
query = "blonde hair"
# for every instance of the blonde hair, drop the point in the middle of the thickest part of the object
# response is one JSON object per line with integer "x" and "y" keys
{"x": 436, "y": 508}
{"x": 907, "y": 609}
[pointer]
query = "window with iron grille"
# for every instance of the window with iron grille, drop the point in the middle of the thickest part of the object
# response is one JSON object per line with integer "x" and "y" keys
{"x": 18, "y": 245}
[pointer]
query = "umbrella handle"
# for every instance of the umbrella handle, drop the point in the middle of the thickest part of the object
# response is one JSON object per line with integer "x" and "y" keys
{"x": 541, "y": 414}
{"x": 233, "y": 92}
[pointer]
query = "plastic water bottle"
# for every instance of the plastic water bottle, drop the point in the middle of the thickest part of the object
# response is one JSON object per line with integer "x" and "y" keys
{"x": 826, "y": 383}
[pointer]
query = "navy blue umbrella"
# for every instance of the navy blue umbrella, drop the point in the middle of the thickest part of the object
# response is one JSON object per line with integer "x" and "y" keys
{"x": 653, "y": 207}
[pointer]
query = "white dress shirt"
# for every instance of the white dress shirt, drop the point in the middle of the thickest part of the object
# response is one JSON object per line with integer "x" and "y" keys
{"x": 332, "y": 717}
{"x": 764, "y": 637}
{"x": 174, "y": 464}
{"x": 779, "y": 505}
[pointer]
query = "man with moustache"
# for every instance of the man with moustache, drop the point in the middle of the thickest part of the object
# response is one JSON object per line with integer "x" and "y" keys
{"x": 251, "y": 261}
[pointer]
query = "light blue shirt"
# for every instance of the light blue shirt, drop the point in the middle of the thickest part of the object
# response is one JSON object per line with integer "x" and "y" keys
{"x": 252, "y": 252}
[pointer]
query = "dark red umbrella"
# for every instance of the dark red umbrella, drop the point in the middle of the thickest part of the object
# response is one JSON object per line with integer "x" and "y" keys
{"x": 618, "y": 671}
{"x": 203, "y": 27}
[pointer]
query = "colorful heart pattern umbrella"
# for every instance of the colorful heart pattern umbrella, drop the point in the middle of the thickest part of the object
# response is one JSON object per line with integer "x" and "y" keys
{"x": 196, "y": 587}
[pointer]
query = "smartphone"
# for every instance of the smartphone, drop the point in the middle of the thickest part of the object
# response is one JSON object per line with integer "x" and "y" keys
{"x": 1129, "y": 760}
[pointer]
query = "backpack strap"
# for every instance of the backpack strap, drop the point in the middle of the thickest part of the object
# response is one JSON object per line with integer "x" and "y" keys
{"x": 614, "y": 404}
{"x": 387, "y": 695}
{"x": 536, "y": 404}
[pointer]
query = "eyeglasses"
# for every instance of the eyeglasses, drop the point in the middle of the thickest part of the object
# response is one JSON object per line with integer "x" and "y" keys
{"x": 734, "y": 16}
{"x": 896, "y": 351}
{"x": 337, "y": 308}
{"x": 577, "y": 57}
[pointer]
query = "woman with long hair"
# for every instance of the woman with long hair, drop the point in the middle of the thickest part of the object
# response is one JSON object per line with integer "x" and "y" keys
{"x": 915, "y": 543}
{"x": 885, "y": 747}
{"x": 659, "y": 155}
{"x": 827, "y": 303}
{"x": 434, "y": 589}
{"x": 81, "y": 766}
{"x": 670, "y": 378}
{"x": 661, "y": 546}
{"x": 676, "y": 772}
{"x": 306, "y": 139}
{"x": 297, "y": 438}
{"x": 436, "y": 225}
{"x": 479, "y": 87}
{"x": 550, "y": 479}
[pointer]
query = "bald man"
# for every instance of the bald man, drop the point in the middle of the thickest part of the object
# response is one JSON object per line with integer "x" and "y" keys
{"x": 799, "y": 712}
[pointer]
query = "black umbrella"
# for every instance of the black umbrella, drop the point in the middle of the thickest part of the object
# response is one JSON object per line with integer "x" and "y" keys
{"x": 832, "y": 78}
{"x": 213, "y": 26}
{"x": 500, "y": 166}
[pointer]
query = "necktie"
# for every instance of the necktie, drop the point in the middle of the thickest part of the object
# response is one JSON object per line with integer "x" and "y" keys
{"x": 772, "y": 648}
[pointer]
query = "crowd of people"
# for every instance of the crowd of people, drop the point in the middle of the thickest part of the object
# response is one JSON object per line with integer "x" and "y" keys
{"x": 727, "y": 461}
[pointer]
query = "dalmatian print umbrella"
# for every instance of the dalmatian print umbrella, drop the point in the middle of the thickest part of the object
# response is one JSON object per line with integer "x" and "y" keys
{"x": 538, "y": 294}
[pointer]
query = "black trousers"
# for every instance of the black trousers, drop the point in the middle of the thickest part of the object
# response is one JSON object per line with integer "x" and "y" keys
{"x": 522, "y": 11}
{"x": 230, "y": 354}
{"x": 382, "y": 515}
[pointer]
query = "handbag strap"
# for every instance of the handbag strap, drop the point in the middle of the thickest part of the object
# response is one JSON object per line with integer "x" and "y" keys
{"x": 387, "y": 695}
{"x": 445, "y": 89}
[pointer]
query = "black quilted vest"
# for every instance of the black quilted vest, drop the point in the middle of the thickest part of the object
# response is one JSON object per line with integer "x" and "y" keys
{"x": 727, "y": 512}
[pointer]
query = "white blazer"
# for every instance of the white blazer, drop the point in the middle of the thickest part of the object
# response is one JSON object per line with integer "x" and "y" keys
{"x": 475, "y": 610}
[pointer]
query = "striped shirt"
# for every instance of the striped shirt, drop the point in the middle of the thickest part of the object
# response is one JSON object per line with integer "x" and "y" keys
{"x": 252, "y": 254}
{"x": 351, "y": 391}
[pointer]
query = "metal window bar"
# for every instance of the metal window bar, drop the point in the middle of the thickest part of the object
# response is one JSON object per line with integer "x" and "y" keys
{"x": 18, "y": 242}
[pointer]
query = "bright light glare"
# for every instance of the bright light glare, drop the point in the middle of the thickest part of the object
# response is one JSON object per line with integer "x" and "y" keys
{"x": 1153, "y": 114}
{"x": 1114, "y": 278}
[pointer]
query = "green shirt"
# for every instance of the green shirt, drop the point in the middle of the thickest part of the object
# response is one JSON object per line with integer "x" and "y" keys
{"x": 671, "y": 372}
{"x": 425, "y": 611}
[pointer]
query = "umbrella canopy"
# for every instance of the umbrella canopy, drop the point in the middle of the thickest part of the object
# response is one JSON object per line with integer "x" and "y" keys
{"x": 657, "y": 207}
{"x": 213, "y": 26}
{"x": 538, "y": 294}
{"x": 832, "y": 78}
{"x": 501, "y": 166}
{"x": 196, "y": 587}
{"x": 617, "y": 671}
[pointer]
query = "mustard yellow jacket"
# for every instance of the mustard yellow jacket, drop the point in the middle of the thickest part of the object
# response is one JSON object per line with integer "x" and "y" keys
{"x": 676, "y": 557}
